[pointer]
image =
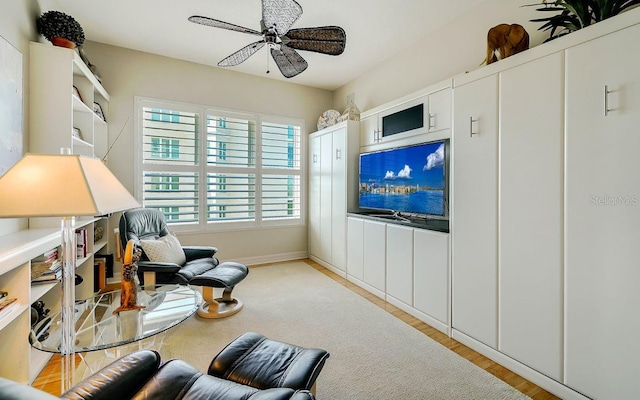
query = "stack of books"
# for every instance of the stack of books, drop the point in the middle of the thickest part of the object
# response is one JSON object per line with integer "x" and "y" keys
{"x": 5, "y": 301}
{"x": 46, "y": 268}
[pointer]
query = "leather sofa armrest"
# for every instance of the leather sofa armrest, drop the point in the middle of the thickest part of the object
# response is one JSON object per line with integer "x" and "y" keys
{"x": 195, "y": 252}
{"x": 121, "y": 379}
{"x": 164, "y": 267}
{"x": 10, "y": 390}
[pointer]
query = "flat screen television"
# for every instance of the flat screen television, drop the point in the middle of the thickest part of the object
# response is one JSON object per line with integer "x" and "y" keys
{"x": 408, "y": 180}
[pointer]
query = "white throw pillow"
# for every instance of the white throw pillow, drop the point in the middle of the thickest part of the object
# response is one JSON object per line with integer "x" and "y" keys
{"x": 165, "y": 249}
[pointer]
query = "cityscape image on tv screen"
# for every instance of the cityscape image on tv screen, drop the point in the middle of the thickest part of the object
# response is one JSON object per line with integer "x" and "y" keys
{"x": 404, "y": 179}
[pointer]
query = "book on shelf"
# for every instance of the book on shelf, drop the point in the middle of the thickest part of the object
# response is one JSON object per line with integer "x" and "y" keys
{"x": 4, "y": 303}
{"x": 40, "y": 268}
{"x": 81, "y": 242}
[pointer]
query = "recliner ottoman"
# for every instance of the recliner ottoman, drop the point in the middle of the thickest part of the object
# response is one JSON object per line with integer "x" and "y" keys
{"x": 254, "y": 360}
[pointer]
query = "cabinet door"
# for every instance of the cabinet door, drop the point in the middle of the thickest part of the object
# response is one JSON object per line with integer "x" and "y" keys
{"x": 339, "y": 199}
{"x": 474, "y": 214}
{"x": 439, "y": 117}
{"x": 355, "y": 248}
{"x": 326, "y": 161}
{"x": 531, "y": 218}
{"x": 603, "y": 216}
{"x": 314, "y": 196}
{"x": 369, "y": 131}
{"x": 375, "y": 254}
{"x": 400, "y": 263}
{"x": 431, "y": 273}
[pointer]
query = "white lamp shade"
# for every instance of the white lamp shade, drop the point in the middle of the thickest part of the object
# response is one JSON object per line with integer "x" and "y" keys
{"x": 54, "y": 185}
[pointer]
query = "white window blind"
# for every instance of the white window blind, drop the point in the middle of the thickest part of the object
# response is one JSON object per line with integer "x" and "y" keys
{"x": 250, "y": 172}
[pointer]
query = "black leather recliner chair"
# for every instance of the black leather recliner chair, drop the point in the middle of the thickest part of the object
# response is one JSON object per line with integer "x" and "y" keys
{"x": 141, "y": 375}
{"x": 201, "y": 268}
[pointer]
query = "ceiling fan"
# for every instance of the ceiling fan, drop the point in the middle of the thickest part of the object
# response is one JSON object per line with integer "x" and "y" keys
{"x": 277, "y": 18}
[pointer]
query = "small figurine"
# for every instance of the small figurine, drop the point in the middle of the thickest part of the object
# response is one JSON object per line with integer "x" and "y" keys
{"x": 130, "y": 283}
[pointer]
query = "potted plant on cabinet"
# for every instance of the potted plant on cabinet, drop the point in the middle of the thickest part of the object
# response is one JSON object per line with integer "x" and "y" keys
{"x": 60, "y": 29}
{"x": 577, "y": 14}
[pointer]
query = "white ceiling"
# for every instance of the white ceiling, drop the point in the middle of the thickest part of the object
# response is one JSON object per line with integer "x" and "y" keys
{"x": 376, "y": 30}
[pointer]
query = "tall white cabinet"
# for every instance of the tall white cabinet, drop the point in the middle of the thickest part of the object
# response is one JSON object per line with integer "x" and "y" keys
{"x": 531, "y": 217}
{"x": 474, "y": 222}
{"x": 603, "y": 216}
{"x": 546, "y": 212}
{"x": 333, "y": 190}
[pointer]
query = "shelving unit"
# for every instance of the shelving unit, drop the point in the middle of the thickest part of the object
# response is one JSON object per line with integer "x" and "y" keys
{"x": 54, "y": 72}
{"x": 17, "y": 250}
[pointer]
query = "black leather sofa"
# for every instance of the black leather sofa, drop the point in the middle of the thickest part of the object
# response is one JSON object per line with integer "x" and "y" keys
{"x": 142, "y": 376}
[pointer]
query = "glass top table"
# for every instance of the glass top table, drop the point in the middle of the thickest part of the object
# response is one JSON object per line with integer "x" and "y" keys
{"x": 97, "y": 328}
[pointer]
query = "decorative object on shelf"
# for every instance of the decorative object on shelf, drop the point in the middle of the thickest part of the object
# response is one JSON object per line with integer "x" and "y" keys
{"x": 129, "y": 282}
{"x": 577, "y": 14}
{"x": 98, "y": 233}
{"x": 351, "y": 113}
{"x": 328, "y": 118}
{"x": 277, "y": 18}
{"x": 97, "y": 108}
{"x": 505, "y": 40}
{"x": 92, "y": 68}
{"x": 60, "y": 29}
{"x": 76, "y": 133}
{"x": 75, "y": 186}
{"x": 76, "y": 93}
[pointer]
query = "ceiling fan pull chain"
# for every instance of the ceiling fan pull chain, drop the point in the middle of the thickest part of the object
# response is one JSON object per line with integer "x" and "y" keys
{"x": 268, "y": 69}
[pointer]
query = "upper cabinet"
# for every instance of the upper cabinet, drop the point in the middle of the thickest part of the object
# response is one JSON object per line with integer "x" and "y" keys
{"x": 67, "y": 104}
{"x": 424, "y": 112}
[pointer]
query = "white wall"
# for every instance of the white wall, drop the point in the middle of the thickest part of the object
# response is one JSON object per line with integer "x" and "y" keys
{"x": 458, "y": 47}
{"x": 18, "y": 27}
{"x": 128, "y": 73}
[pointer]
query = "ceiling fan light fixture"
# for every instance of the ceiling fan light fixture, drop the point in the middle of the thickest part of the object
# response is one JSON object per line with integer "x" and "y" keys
{"x": 277, "y": 18}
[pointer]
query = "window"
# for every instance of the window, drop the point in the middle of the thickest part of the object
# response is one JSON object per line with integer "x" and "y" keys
{"x": 208, "y": 168}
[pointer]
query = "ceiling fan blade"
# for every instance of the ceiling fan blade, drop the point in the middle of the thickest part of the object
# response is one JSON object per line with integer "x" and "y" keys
{"x": 288, "y": 61}
{"x": 221, "y": 24}
{"x": 280, "y": 14}
{"x": 242, "y": 54}
{"x": 325, "y": 39}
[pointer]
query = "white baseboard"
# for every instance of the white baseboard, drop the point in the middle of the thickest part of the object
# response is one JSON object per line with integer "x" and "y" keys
{"x": 530, "y": 374}
{"x": 328, "y": 266}
{"x": 442, "y": 327}
{"x": 367, "y": 287}
{"x": 271, "y": 258}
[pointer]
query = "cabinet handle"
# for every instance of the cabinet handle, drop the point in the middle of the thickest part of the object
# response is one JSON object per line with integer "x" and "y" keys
{"x": 432, "y": 117}
{"x": 315, "y": 158}
{"x": 338, "y": 154}
{"x": 376, "y": 135}
{"x": 471, "y": 121}
{"x": 606, "y": 100}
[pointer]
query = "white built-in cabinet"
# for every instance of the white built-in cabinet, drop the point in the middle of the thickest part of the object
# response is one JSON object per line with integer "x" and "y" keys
{"x": 474, "y": 223}
{"x": 546, "y": 212}
{"x": 333, "y": 188}
{"x": 530, "y": 228}
{"x": 375, "y": 256}
{"x": 436, "y": 101}
{"x": 406, "y": 266}
{"x": 431, "y": 276}
{"x": 54, "y": 109}
{"x": 602, "y": 203}
{"x": 399, "y": 282}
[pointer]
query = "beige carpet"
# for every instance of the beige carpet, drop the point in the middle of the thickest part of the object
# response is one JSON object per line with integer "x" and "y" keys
{"x": 373, "y": 354}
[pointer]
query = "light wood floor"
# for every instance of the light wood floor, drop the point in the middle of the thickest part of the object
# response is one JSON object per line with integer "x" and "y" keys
{"x": 49, "y": 378}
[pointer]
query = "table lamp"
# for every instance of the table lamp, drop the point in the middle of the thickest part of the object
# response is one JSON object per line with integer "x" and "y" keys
{"x": 66, "y": 186}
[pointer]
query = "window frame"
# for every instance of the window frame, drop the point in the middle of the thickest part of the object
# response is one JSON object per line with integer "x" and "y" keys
{"x": 203, "y": 225}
